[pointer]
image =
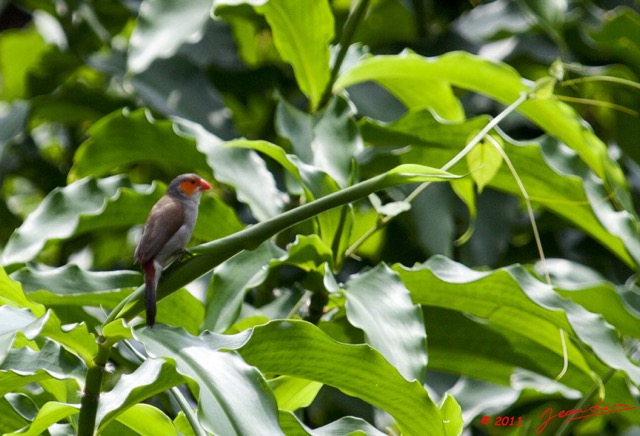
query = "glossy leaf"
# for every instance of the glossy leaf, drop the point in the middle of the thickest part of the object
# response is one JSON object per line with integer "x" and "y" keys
{"x": 182, "y": 309}
{"x": 380, "y": 305}
{"x": 12, "y": 419}
{"x": 292, "y": 393}
{"x": 24, "y": 365}
{"x": 302, "y": 31}
{"x": 146, "y": 420}
{"x": 124, "y": 138}
{"x": 150, "y": 378}
{"x": 60, "y": 215}
{"x": 72, "y": 285}
{"x": 163, "y": 27}
{"x": 247, "y": 173}
{"x": 20, "y": 49}
{"x": 484, "y": 161}
{"x": 513, "y": 299}
{"x": 594, "y": 293}
{"x": 552, "y": 174}
{"x": 299, "y": 349}
{"x": 230, "y": 282}
{"x": 12, "y": 294}
{"x": 328, "y": 140}
{"x": 50, "y": 413}
{"x": 402, "y": 74}
{"x": 452, "y": 415}
{"x": 347, "y": 425}
{"x": 234, "y": 398}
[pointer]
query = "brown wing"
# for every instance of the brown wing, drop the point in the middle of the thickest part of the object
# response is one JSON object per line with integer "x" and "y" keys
{"x": 165, "y": 218}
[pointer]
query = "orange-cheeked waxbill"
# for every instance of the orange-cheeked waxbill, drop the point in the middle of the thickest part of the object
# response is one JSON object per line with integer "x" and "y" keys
{"x": 167, "y": 231}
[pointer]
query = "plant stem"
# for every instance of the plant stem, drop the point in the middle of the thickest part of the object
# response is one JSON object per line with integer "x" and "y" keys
{"x": 350, "y": 27}
{"x": 211, "y": 254}
{"x": 92, "y": 389}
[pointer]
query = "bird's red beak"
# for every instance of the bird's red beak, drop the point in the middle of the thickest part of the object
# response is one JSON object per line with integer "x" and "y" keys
{"x": 204, "y": 185}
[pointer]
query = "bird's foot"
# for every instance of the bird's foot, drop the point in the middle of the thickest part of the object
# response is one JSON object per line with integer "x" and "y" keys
{"x": 184, "y": 254}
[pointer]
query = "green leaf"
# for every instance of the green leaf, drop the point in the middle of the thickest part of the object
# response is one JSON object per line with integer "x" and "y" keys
{"x": 345, "y": 426}
{"x": 66, "y": 211}
{"x": 123, "y": 138}
{"x": 582, "y": 286}
{"x": 512, "y": 299}
{"x": 50, "y": 413}
{"x": 183, "y": 425}
{"x": 12, "y": 294}
{"x": 308, "y": 253}
{"x": 230, "y": 282}
{"x": 552, "y": 174}
{"x": 21, "y": 50}
{"x": 24, "y": 365}
{"x": 234, "y": 398}
{"x": 145, "y": 420}
{"x": 116, "y": 331}
{"x": 162, "y": 27}
{"x": 380, "y": 305}
{"x": 299, "y": 349}
{"x": 403, "y": 74}
{"x": 452, "y": 415}
{"x": 14, "y": 417}
{"x": 327, "y": 140}
{"x": 248, "y": 174}
{"x": 302, "y": 31}
{"x": 72, "y": 285}
{"x": 619, "y": 35}
{"x": 484, "y": 161}
{"x": 75, "y": 337}
{"x": 150, "y": 378}
{"x": 182, "y": 309}
{"x": 293, "y": 393}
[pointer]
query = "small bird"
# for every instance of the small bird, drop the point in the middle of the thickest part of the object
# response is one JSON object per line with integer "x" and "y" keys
{"x": 167, "y": 231}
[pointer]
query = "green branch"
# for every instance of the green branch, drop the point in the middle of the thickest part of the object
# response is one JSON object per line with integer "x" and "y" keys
{"x": 212, "y": 254}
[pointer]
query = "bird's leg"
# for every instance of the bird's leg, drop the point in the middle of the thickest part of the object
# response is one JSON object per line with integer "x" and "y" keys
{"x": 184, "y": 254}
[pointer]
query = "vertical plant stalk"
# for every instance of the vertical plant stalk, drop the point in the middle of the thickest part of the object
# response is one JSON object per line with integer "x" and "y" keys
{"x": 350, "y": 27}
{"x": 92, "y": 389}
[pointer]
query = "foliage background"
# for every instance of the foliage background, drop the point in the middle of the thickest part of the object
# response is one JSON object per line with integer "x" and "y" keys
{"x": 103, "y": 102}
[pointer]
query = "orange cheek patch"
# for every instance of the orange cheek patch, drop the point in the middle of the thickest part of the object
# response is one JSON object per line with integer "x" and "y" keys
{"x": 188, "y": 188}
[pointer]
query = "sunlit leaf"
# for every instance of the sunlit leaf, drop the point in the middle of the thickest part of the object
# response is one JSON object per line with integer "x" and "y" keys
{"x": 514, "y": 300}
{"x": 299, "y": 349}
{"x": 150, "y": 378}
{"x": 403, "y": 73}
{"x": 50, "y": 413}
{"x": 302, "y": 31}
{"x": 234, "y": 398}
{"x": 162, "y": 27}
{"x": 292, "y": 393}
{"x": 20, "y": 50}
{"x": 143, "y": 419}
{"x": 380, "y": 305}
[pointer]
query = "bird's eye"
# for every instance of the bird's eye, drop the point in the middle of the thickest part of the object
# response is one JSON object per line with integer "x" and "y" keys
{"x": 193, "y": 182}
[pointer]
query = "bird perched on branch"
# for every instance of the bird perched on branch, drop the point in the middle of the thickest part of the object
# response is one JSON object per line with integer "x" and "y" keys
{"x": 167, "y": 231}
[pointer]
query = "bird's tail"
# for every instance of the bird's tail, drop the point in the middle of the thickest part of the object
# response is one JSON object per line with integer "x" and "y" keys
{"x": 150, "y": 284}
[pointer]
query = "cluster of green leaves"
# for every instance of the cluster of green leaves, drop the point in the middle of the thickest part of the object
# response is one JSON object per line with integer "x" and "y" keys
{"x": 367, "y": 237}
